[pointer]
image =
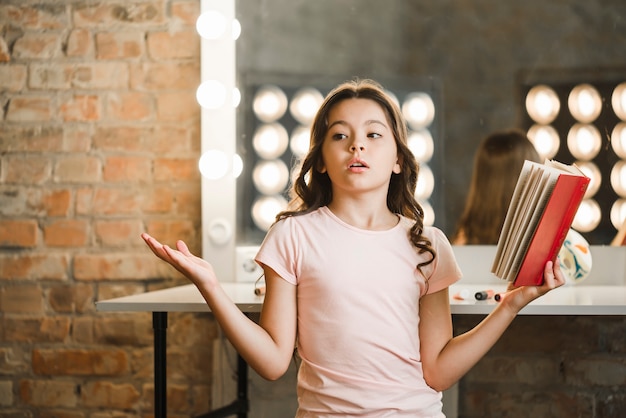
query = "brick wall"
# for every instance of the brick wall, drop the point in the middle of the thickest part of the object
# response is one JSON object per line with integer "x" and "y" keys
{"x": 99, "y": 140}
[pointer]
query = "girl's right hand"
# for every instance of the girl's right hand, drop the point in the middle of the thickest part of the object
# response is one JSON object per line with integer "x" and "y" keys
{"x": 196, "y": 269}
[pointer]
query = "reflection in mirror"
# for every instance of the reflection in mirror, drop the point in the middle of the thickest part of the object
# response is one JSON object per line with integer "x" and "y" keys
{"x": 483, "y": 56}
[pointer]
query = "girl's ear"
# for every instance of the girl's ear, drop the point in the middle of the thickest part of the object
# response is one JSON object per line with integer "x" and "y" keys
{"x": 397, "y": 168}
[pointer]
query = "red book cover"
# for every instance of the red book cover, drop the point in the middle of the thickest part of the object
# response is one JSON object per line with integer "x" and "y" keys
{"x": 540, "y": 214}
{"x": 555, "y": 222}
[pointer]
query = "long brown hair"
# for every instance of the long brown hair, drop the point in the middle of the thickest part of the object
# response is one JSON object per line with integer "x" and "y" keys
{"x": 497, "y": 164}
{"x": 312, "y": 188}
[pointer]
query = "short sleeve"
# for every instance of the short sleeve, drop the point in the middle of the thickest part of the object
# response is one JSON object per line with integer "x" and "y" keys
{"x": 279, "y": 250}
{"x": 444, "y": 271}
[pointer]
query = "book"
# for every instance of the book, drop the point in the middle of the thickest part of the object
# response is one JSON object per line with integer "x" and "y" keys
{"x": 542, "y": 209}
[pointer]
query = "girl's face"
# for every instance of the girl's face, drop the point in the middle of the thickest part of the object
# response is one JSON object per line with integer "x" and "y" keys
{"x": 359, "y": 151}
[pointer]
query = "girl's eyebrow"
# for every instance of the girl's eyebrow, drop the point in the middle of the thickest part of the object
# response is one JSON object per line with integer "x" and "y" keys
{"x": 367, "y": 122}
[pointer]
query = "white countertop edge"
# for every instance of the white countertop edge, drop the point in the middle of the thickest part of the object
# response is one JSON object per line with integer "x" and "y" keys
{"x": 568, "y": 300}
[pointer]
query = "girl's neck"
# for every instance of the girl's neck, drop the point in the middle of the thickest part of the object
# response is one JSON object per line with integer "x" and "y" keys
{"x": 364, "y": 216}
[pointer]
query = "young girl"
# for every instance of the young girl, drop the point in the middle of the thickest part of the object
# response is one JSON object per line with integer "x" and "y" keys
{"x": 353, "y": 278}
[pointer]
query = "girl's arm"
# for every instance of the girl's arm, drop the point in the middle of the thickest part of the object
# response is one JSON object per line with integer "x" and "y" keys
{"x": 445, "y": 359}
{"x": 268, "y": 346}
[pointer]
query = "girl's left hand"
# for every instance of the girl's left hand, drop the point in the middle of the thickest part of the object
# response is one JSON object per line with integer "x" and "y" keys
{"x": 517, "y": 298}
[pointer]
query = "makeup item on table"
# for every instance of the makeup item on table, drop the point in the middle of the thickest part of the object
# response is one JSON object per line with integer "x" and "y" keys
{"x": 462, "y": 294}
{"x": 259, "y": 291}
{"x": 497, "y": 297}
{"x": 484, "y": 294}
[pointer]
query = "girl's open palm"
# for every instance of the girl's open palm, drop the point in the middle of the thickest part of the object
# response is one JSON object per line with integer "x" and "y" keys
{"x": 196, "y": 269}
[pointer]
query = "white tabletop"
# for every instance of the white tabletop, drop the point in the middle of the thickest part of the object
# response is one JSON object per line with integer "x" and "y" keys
{"x": 566, "y": 300}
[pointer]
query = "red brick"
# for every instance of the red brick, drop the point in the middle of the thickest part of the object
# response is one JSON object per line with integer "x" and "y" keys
{"x": 170, "y": 231}
{"x": 50, "y": 17}
{"x": 21, "y": 299}
{"x": 37, "y": 46}
{"x": 124, "y": 329}
{"x": 176, "y": 169}
{"x": 56, "y": 202}
{"x": 12, "y": 76}
{"x": 165, "y": 76}
{"x": 108, "y": 15}
{"x": 116, "y": 201}
{"x": 29, "y": 108}
{"x": 5, "y": 55}
{"x": 101, "y": 76}
{"x": 18, "y": 233}
{"x": 122, "y": 266}
{"x": 77, "y": 169}
{"x": 74, "y": 298}
{"x": 81, "y": 108}
{"x": 178, "y": 107}
{"x": 66, "y": 233}
{"x": 79, "y": 43}
{"x": 110, "y": 395}
{"x": 48, "y": 393}
{"x": 130, "y": 106}
{"x": 168, "y": 45}
{"x": 158, "y": 200}
{"x": 35, "y": 330}
{"x": 122, "y": 138}
{"x": 76, "y": 138}
{"x": 34, "y": 266}
{"x": 119, "y": 233}
{"x": 64, "y": 362}
{"x": 127, "y": 169}
{"x": 39, "y": 139}
{"x": 116, "y": 45}
{"x": 186, "y": 11}
{"x": 50, "y": 76}
{"x": 28, "y": 169}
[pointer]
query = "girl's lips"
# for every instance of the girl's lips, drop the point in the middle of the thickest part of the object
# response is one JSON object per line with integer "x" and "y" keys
{"x": 357, "y": 163}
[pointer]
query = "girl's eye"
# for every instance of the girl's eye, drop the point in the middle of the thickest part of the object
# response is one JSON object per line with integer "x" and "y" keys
{"x": 374, "y": 135}
{"x": 338, "y": 136}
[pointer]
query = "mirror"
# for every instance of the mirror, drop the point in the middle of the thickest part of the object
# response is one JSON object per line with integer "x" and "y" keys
{"x": 479, "y": 55}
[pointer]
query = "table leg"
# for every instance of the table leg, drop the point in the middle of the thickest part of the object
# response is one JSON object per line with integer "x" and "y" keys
{"x": 159, "y": 324}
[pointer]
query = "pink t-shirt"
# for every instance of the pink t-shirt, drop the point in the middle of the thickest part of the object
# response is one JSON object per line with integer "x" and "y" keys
{"x": 358, "y": 313}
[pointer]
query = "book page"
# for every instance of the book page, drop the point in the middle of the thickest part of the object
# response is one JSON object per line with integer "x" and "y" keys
{"x": 527, "y": 210}
{"x": 531, "y": 221}
{"x": 525, "y": 184}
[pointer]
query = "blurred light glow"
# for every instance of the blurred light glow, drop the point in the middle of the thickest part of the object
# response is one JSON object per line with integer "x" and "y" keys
{"x": 588, "y": 216}
{"x": 618, "y": 213}
{"x": 270, "y": 177}
{"x": 269, "y": 103}
{"x": 236, "y": 97}
{"x": 211, "y": 94}
{"x": 429, "y": 213}
{"x": 270, "y": 140}
{"x": 618, "y": 178}
{"x": 236, "y": 29}
{"x": 542, "y": 104}
{"x": 237, "y": 165}
{"x": 421, "y": 145}
{"x": 419, "y": 110}
{"x": 211, "y": 24}
{"x": 618, "y": 101}
{"x": 213, "y": 164}
{"x": 584, "y": 103}
{"x": 584, "y": 141}
{"x": 265, "y": 209}
{"x": 304, "y": 104}
{"x": 545, "y": 139}
{"x": 300, "y": 140}
{"x": 618, "y": 140}
{"x": 425, "y": 183}
{"x": 592, "y": 171}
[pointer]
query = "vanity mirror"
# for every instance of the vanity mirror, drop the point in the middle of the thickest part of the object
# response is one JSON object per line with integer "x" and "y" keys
{"x": 482, "y": 57}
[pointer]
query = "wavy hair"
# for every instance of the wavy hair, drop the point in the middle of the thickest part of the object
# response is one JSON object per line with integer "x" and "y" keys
{"x": 312, "y": 188}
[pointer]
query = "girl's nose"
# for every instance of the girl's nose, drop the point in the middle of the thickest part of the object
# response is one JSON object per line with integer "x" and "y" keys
{"x": 356, "y": 146}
